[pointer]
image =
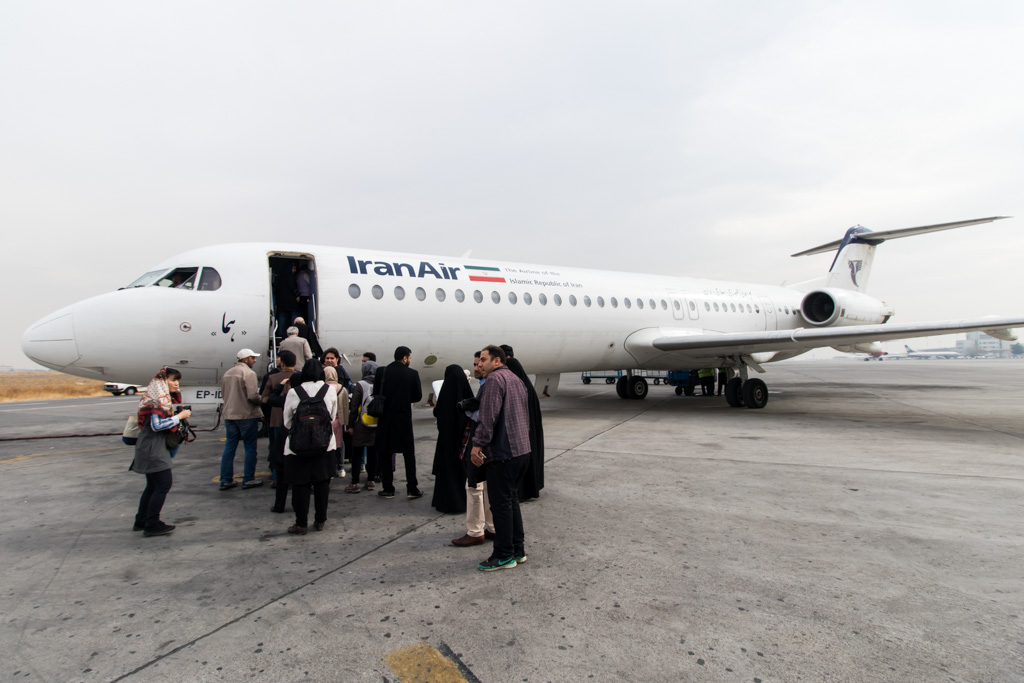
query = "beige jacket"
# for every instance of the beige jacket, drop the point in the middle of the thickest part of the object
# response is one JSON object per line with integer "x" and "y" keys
{"x": 298, "y": 346}
{"x": 240, "y": 392}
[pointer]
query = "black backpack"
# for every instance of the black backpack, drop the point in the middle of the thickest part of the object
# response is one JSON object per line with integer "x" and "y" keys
{"x": 311, "y": 430}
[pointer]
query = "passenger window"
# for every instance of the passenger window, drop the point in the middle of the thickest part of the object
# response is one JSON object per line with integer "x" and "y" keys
{"x": 495, "y": 297}
{"x": 512, "y": 298}
{"x": 543, "y": 299}
{"x": 572, "y": 300}
{"x": 654, "y": 305}
{"x": 377, "y": 291}
{"x": 733, "y": 306}
{"x": 716, "y": 306}
{"x": 664, "y": 305}
{"x": 478, "y": 296}
{"x": 354, "y": 291}
{"x": 460, "y": 296}
{"x": 707, "y": 306}
{"x": 757, "y": 309}
{"x": 210, "y": 280}
{"x": 558, "y": 300}
{"x": 640, "y": 303}
{"x": 693, "y": 306}
{"x": 614, "y": 302}
{"x": 749, "y": 309}
{"x": 527, "y": 298}
{"x": 600, "y": 302}
{"x": 586, "y": 301}
{"x": 399, "y": 292}
{"x": 440, "y": 294}
{"x": 421, "y": 293}
{"x": 627, "y": 302}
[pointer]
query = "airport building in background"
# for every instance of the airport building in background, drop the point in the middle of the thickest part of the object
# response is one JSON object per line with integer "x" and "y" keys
{"x": 980, "y": 344}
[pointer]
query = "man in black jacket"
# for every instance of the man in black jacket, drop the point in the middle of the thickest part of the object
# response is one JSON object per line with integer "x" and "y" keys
{"x": 400, "y": 386}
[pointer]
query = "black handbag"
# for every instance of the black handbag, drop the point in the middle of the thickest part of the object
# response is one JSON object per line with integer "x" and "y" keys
{"x": 375, "y": 408}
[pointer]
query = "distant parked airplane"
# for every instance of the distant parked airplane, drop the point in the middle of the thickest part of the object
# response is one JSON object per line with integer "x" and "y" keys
{"x": 931, "y": 353}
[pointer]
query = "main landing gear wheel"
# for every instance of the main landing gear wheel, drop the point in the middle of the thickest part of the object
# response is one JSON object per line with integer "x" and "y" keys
{"x": 755, "y": 393}
{"x": 637, "y": 388}
{"x": 620, "y": 386}
{"x": 732, "y": 392}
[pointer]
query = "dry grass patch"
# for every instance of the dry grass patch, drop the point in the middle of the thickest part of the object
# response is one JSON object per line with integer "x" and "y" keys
{"x": 39, "y": 386}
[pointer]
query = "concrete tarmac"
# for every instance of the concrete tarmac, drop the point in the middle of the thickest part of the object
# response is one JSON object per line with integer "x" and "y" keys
{"x": 864, "y": 526}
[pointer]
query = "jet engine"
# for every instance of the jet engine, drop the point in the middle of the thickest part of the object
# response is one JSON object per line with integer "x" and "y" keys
{"x": 830, "y": 306}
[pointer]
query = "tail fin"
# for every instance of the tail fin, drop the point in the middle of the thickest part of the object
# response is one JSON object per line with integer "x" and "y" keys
{"x": 909, "y": 350}
{"x": 855, "y": 253}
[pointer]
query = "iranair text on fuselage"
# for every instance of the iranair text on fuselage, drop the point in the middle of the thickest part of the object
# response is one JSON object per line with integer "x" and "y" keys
{"x": 441, "y": 271}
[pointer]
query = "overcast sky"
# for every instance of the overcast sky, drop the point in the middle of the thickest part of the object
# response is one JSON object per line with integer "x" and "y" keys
{"x": 685, "y": 138}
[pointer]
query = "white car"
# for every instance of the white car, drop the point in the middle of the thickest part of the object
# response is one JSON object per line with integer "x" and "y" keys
{"x": 116, "y": 388}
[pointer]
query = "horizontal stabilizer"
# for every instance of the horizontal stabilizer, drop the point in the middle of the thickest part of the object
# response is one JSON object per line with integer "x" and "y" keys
{"x": 882, "y": 235}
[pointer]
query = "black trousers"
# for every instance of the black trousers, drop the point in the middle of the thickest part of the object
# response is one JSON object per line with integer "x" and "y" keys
{"x": 503, "y": 480}
{"x": 387, "y": 475}
{"x": 281, "y": 490}
{"x": 300, "y": 501}
{"x": 152, "y": 500}
{"x": 357, "y": 461}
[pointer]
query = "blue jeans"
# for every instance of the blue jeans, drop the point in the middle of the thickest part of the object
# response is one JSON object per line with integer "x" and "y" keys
{"x": 246, "y": 430}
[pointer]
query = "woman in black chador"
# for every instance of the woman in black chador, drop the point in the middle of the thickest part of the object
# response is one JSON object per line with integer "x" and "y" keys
{"x": 449, "y": 470}
{"x": 533, "y": 480}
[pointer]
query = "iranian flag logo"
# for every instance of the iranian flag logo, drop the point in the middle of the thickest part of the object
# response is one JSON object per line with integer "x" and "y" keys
{"x": 483, "y": 274}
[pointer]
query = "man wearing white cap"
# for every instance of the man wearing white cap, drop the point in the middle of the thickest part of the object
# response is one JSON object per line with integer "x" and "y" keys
{"x": 241, "y": 413}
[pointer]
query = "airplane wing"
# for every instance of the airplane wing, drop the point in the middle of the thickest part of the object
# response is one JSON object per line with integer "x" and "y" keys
{"x": 744, "y": 343}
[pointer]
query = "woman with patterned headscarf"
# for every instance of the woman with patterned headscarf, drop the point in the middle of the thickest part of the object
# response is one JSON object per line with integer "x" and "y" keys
{"x": 152, "y": 453}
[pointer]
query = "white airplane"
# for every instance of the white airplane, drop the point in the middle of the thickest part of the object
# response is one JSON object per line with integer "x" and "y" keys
{"x": 196, "y": 310}
{"x": 933, "y": 353}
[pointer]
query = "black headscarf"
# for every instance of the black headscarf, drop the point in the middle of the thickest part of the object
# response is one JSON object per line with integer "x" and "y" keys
{"x": 312, "y": 371}
{"x": 449, "y": 470}
{"x": 533, "y": 479}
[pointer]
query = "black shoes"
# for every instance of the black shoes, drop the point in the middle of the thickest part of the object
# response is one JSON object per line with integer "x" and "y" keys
{"x": 161, "y": 530}
{"x": 228, "y": 486}
{"x": 415, "y": 493}
{"x": 386, "y": 494}
{"x": 138, "y": 527}
{"x": 276, "y": 509}
{"x": 252, "y": 484}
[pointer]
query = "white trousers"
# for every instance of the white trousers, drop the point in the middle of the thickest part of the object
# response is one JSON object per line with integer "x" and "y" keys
{"x": 478, "y": 510}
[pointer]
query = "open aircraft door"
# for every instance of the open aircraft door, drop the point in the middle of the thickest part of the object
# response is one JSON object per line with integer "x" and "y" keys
{"x": 284, "y": 289}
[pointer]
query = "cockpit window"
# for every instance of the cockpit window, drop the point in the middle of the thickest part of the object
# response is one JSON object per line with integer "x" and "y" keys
{"x": 147, "y": 279}
{"x": 210, "y": 280}
{"x": 179, "y": 278}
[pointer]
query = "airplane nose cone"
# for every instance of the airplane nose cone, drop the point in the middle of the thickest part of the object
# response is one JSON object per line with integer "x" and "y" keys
{"x": 51, "y": 341}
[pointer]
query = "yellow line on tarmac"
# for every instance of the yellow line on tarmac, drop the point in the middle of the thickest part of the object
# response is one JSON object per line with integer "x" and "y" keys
{"x": 38, "y": 455}
{"x": 423, "y": 664}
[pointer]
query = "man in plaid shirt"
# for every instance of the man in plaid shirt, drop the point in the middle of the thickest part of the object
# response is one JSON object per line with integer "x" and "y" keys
{"x": 501, "y": 445}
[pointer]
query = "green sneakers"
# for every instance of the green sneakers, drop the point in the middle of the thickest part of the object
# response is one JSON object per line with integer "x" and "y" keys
{"x": 492, "y": 563}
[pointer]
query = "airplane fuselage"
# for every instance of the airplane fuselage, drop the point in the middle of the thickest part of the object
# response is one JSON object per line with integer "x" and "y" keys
{"x": 558, "y": 319}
